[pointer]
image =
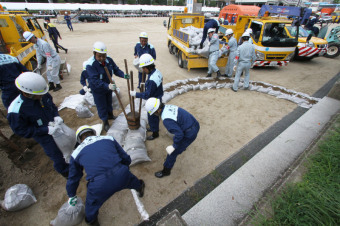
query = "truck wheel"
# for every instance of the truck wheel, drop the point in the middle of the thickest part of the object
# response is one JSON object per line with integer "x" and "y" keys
{"x": 180, "y": 59}
{"x": 333, "y": 50}
{"x": 170, "y": 48}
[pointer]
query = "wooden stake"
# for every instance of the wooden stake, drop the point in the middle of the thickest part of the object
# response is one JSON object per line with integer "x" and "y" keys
{"x": 133, "y": 99}
{"x": 142, "y": 89}
{"x": 127, "y": 80}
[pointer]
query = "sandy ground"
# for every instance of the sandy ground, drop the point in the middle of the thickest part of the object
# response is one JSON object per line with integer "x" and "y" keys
{"x": 228, "y": 121}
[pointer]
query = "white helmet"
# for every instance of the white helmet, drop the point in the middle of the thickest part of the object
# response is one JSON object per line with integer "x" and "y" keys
{"x": 152, "y": 105}
{"x": 83, "y": 129}
{"x": 99, "y": 47}
{"x": 245, "y": 34}
{"x": 143, "y": 35}
{"x": 28, "y": 35}
{"x": 211, "y": 30}
{"x": 65, "y": 13}
{"x": 145, "y": 60}
{"x": 229, "y": 32}
{"x": 31, "y": 83}
{"x": 84, "y": 65}
{"x": 249, "y": 30}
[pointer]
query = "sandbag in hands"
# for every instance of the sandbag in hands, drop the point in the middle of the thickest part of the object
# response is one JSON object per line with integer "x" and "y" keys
{"x": 69, "y": 215}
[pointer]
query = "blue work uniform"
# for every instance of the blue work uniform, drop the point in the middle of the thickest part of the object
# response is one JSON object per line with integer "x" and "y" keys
{"x": 99, "y": 84}
{"x": 153, "y": 88}
{"x": 213, "y": 53}
{"x": 210, "y": 24}
{"x": 54, "y": 34}
{"x": 68, "y": 22}
{"x": 83, "y": 81}
{"x": 139, "y": 51}
{"x": 29, "y": 118}
{"x": 10, "y": 69}
{"x": 245, "y": 57}
{"x": 232, "y": 53}
{"x": 184, "y": 127}
{"x": 107, "y": 171}
{"x": 311, "y": 23}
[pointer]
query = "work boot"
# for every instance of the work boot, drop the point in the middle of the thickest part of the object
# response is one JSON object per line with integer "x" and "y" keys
{"x": 51, "y": 86}
{"x": 106, "y": 125}
{"x": 141, "y": 190}
{"x": 111, "y": 116}
{"x": 218, "y": 74}
{"x": 57, "y": 88}
{"x": 57, "y": 50}
{"x": 93, "y": 223}
{"x": 153, "y": 136}
{"x": 209, "y": 75}
{"x": 148, "y": 129}
{"x": 163, "y": 173}
{"x": 66, "y": 50}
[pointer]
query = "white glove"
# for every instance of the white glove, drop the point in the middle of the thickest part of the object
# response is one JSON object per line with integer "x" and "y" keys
{"x": 112, "y": 87}
{"x": 51, "y": 130}
{"x": 170, "y": 149}
{"x": 49, "y": 68}
{"x": 209, "y": 43}
{"x": 73, "y": 201}
{"x": 58, "y": 120}
{"x": 234, "y": 69}
{"x": 85, "y": 88}
{"x": 133, "y": 93}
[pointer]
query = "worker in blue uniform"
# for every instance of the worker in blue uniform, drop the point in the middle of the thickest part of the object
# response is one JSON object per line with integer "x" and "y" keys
{"x": 178, "y": 122}
{"x": 31, "y": 114}
{"x": 54, "y": 34}
{"x": 232, "y": 47}
{"x": 214, "y": 46}
{"x": 100, "y": 83}
{"x": 44, "y": 50}
{"x": 311, "y": 22}
{"x": 10, "y": 69}
{"x": 84, "y": 80}
{"x": 210, "y": 24}
{"x": 107, "y": 171}
{"x": 141, "y": 48}
{"x": 153, "y": 88}
{"x": 244, "y": 59}
{"x": 68, "y": 21}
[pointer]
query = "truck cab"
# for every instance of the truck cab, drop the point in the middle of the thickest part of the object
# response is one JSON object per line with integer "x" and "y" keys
{"x": 12, "y": 26}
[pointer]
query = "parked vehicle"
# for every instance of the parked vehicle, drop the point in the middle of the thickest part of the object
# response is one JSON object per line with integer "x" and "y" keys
{"x": 332, "y": 39}
{"x": 88, "y": 17}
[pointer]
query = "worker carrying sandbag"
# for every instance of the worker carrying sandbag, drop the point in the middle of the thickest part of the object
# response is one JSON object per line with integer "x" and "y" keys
{"x": 214, "y": 46}
{"x": 31, "y": 112}
{"x": 107, "y": 171}
{"x": 177, "y": 121}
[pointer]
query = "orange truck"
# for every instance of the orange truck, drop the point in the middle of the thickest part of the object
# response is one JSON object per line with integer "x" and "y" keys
{"x": 230, "y": 11}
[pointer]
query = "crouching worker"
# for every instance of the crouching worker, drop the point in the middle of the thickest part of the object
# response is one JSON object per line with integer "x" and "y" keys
{"x": 178, "y": 122}
{"x": 30, "y": 114}
{"x": 107, "y": 171}
{"x": 84, "y": 80}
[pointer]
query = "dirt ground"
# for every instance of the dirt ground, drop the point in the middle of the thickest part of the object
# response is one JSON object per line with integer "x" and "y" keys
{"x": 228, "y": 121}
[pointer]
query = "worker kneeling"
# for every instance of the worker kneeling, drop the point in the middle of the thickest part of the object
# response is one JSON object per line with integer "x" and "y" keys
{"x": 178, "y": 122}
{"x": 107, "y": 168}
{"x": 214, "y": 46}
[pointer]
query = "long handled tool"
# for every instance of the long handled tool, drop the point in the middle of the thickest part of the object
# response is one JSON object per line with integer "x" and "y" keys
{"x": 133, "y": 99}
{"x": 142, "y": 89}
{"x": 128, "y": 82}
{"x": 112, "y": 82}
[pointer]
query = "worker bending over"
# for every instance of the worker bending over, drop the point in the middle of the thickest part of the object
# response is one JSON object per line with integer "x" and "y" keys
{"x": 245, "y": 57}
{"x": 215, "y": 24}
{"x": 54, "y": 34}
{"x": 178, "y": 122}
{"x": 214, "y": 46}
{"x": 44, "y": 50}
{"x": 84, "y": 80}
{"x": 30, "y": 114}
{"x": 141, "y": 48}
{"x": 10, "y": 69}
{"x": 153, "y": 88}
{"x": 100, "y": 85}
{"x": 107, "y": 171}
{"x": 232, "y": 47}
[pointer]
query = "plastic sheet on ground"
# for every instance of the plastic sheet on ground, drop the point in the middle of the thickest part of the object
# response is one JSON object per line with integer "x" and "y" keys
{"x": 70, "y": 215}
{"x": 18, "y": 197}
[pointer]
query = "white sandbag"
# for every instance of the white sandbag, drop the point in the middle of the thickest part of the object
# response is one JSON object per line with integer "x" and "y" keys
{"x": 72, "y": 101}
{"x": 70, "y": 215}
{"x": 65, "y": 138}
{"x": 89, "y": 100}
{"x": 118, "y": 135}
{"x": 119, "y": 129}
{"x": 204, "y": 51}
{"x": 166, "y": 97}
{"x": 98, "y": 128}
{"x": 140, "y": 132}
{"x": 83, "y": 111}
{"x": 18, "y": 197}
{"x": 136, "y": 149}
{"x": 115, "y": 102}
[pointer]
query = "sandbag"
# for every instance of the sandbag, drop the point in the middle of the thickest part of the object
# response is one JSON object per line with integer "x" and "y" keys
{"x": 65, "y": 138}
{"x": 70, "y": 215}
{"x": 83, "y": 111}
{"x": 18, "y": 197}
{"x": 136, "y": 149}
{"x": 88, "y": 98}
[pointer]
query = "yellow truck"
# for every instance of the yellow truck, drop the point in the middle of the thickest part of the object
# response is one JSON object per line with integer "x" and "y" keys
{"x": 178, "y": 41}
{"x": 273, "y": 45}
{"x": 12, "y": 26}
